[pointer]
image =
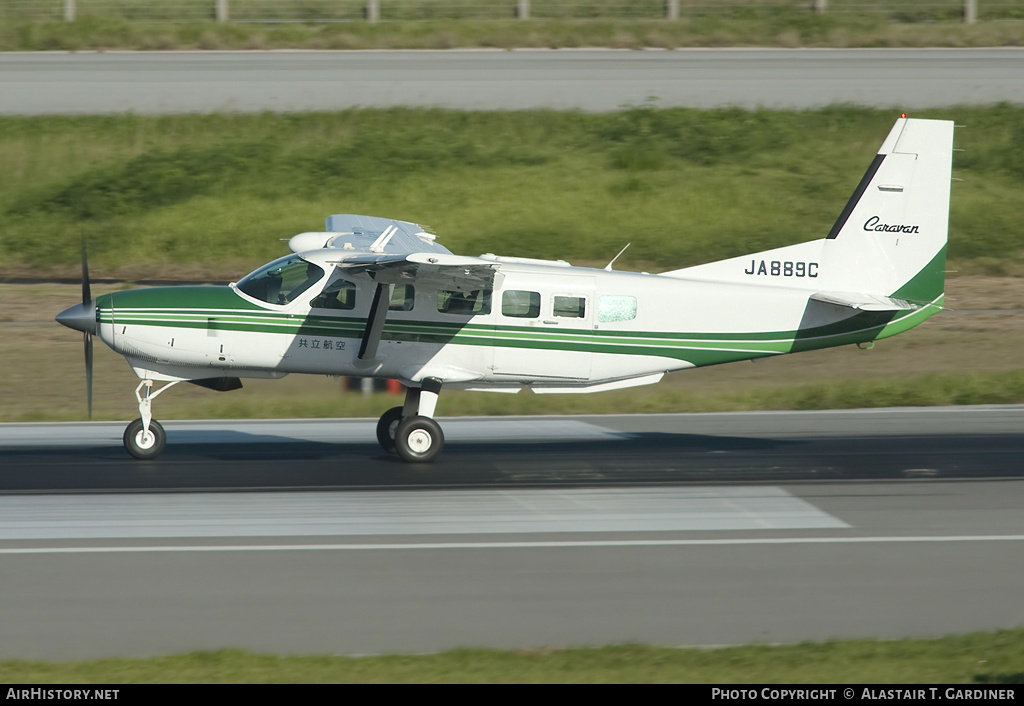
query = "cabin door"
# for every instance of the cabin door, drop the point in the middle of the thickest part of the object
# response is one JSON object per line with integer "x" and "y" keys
{"x": 542, "y": 326}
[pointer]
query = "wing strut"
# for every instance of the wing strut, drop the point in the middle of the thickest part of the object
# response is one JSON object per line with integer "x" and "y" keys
{"x": 375, "y": 321}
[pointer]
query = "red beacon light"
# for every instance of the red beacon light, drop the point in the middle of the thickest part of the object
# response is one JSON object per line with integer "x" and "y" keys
{"x": 903, "y": 115}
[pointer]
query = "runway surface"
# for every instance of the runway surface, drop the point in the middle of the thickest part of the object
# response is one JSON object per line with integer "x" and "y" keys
{"x": 522, "y": 452}
{"x": 591, "y": 80}
{"x": 668, "y": 529}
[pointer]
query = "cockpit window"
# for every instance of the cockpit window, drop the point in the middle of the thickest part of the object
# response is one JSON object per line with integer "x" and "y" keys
{"x": 339, "y": 294}
{"x": 282, "y": 281}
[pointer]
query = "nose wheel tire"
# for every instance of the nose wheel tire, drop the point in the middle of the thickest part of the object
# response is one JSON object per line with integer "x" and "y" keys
{"x": 418, "y": 439}
{"x": 386, "y": 428}
{"x": 145, "y": 446}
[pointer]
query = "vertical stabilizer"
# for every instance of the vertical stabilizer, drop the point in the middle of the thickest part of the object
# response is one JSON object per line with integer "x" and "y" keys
{"x": 886, "y": 249}
{"x": 890, "y": 239}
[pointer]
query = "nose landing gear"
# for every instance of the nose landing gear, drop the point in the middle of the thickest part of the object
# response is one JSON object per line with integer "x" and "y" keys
{"x": 145, "y": 438}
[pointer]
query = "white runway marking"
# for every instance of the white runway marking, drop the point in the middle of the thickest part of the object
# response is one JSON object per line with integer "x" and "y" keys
{"x": 406, "y": 513}
{"x": 510, "y": 545}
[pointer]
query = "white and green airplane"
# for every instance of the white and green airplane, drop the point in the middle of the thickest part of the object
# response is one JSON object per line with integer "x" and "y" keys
{"x": 380, "y": 298}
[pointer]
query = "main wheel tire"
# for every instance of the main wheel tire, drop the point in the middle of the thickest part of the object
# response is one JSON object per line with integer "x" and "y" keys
{"x": 145, "y": 446}
{"x": 386, "y": 428}
{"x": 418, "y": 439}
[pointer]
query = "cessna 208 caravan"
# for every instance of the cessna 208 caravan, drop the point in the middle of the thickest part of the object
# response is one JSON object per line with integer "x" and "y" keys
{"x": 381, "y": 298}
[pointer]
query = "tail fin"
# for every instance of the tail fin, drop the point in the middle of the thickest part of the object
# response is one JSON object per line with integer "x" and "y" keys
{"x": 887, "y": 249}
{"x": 890, "y": 240}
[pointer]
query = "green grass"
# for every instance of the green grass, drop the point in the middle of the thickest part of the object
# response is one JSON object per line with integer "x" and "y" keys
{"x": 975, "y": 659}
{"x": 442, "y": 24}
{"x": 213, "y": 195}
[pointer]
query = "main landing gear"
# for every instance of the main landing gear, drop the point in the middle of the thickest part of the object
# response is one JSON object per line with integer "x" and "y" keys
{"x": 145, "y": 438}
{"x": 410, "y": 430}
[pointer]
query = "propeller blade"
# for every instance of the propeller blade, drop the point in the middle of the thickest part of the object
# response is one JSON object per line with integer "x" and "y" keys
{"x": 86, "y": 299}
{"x": 88, "y": 371}
{"x": 86, "y": 289}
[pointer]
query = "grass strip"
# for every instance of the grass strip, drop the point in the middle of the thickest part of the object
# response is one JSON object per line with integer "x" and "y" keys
{"x": 213, "y": 194}
{"x": 425, "y": 25}
{"x": 974, "y": 659}
{"x": 279, "y": 400}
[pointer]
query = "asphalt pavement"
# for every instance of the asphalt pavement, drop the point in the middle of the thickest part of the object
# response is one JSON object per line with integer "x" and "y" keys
{"x": 588, "y": 79}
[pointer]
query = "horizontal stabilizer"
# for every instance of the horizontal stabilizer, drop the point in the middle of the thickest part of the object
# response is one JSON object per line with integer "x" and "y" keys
{"x": 863, "y": 302}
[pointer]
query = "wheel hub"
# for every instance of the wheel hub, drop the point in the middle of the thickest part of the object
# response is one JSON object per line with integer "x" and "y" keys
{"x": 145, "y": 440}
{"x": 420, "y": 441}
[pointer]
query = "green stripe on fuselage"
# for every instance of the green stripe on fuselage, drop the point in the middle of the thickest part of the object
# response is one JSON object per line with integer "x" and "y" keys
{"x": 220, "y": 308}
{"x": 200, "y": 297}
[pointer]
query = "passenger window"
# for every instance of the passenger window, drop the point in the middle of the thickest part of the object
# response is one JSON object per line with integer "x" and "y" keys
{"x": 571, "y": 307}
{"x": 402, "y": 298}
{"x": 476, "y": 302}
{"x": 616, "y": 307}
{"x": 339, "y": 294}
{"x": 521, "y": 304}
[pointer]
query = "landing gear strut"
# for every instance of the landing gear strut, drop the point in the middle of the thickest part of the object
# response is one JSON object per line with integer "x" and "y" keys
{"x": 144, "y": 438}
{"x": 410, "y": 431}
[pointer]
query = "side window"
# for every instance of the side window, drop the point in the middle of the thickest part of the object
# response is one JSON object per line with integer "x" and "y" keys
{"x": 616, "y": 307}
{"x": 571, "y": 307}
{"x": 520, "y": 303}
{"x": 339, "y": 294}
{"x": 402, "y": 298}
{"x": 472, "y": 303}
{"x": 281, "y": 281}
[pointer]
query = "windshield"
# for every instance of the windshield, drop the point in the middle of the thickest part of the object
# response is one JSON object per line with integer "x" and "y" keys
{"x": 282, "y": 281}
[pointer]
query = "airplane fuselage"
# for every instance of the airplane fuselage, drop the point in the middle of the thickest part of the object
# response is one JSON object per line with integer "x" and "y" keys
{"x": 550, "y": 326}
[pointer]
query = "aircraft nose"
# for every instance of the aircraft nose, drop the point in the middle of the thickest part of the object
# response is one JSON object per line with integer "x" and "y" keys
{"x": 81, "y": 317}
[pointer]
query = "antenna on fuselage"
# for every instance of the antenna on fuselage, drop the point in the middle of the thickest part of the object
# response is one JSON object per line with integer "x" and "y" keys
{"x": 609, "y": 265}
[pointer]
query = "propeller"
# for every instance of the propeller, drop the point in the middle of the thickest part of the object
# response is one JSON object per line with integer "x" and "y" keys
{"x": 82, "y": 317}
{"x": 86, "y": 300}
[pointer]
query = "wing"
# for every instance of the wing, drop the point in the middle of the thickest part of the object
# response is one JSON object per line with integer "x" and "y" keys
{"x": 434, "y": 270}
{"x": 354, "y": 234}
{"x": 393, "y": 252}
